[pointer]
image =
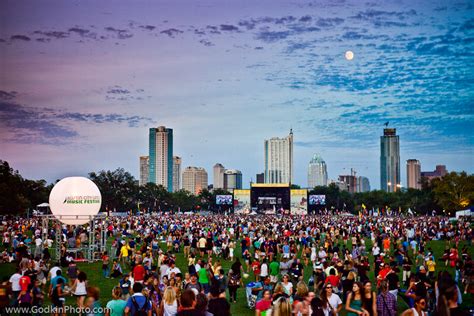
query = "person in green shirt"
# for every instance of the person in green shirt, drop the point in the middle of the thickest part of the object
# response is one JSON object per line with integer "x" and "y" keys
{"x": 203, "y": 275}
{"x": 116, "y": 306}
{"x": 274, "y": 271}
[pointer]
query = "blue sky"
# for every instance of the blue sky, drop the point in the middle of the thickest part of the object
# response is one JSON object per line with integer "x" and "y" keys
{"x": 82, "y": 81}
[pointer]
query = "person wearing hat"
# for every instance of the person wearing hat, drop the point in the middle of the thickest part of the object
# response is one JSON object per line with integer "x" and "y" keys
{"x": 319, "y": 277}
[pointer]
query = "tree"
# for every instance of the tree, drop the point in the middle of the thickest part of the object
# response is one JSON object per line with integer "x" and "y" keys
{"x": 454, "y": 191}
{"x": 183, "y": 200}
{"x": 119, "y": 189}
{"x": 154, "y": 197}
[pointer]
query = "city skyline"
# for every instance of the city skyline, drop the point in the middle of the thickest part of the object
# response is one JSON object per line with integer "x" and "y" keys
{"x": 81, "y": 89}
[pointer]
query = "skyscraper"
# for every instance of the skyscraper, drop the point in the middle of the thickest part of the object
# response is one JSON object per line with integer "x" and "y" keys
{"x": 161, "y": 157}
{"x": 232, "y": 179}
{"x": 363, "y": 184}
{"x": 389, "y": 160}
{"x": 218, "y": 170}
{"x": 176, "y": 173}
{"x": 413, "y": 174}
{"x": 144, "y": 172}
{"x": 278, "y": 153}
{"x": 260, "y": 178}
{"x": 317, "y": 172}
{"x": 194, "y": 179}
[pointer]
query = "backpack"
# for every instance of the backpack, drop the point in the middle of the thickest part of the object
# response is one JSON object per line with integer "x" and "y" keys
{"x": 140, "y": 311}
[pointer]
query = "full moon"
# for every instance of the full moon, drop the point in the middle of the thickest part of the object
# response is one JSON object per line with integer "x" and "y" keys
{"x": 349, "y": 55}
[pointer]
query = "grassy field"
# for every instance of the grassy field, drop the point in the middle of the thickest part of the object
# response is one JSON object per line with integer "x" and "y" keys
{"x": 95, "y": 278}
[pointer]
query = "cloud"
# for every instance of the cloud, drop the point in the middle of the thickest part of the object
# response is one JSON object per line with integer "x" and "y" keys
{"x": 53, "y": 34}
{"x": 213, "y": 29}
{"x": 83, "y": 32}
{"x": 43, "y": 40}
{"x": 148, "y": 27}
{"x": 20, "y": 38}
{"x": 229, "y": 28}
{"x": 171, "y": 32}
{"x": 329, "y": 22}
{"x": 4, "y": 95}
{"x": 119, "y": 93}
{"x": 118, "y": 90}
{"x": 28, "y": 124}
{"x": 272, "y": 36}
{"x": 119, "y": 33}
{"x": 206, "y": 42}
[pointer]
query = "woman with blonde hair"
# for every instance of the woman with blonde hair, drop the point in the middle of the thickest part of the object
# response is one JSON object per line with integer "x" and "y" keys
{"x": 281, "y": 307}
{"x": 169, "y": 304}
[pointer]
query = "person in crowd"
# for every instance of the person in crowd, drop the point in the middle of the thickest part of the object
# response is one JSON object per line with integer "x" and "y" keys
{"x": 369, "y": 299}
{"x": 169, "y": 304}
{"x": 331, "y": 301}
{"x": 417, "y": 310}
{"x": 264, "y": 304}
{"x": 218, "y": 304}
{"x": 354, "y": 301}
{"x": 386, "y": 301}
{"x": 79, "y": 289}
{"x": 116, "y": 306}
{"x": 138, "y": 302}
{"x": 188, "y": 304}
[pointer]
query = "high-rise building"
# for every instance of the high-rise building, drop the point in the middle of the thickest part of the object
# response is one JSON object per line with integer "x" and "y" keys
{"x": 317, "y": 172}
{"x": 413, "y": 174}
{"x": 218, "y": 170}
{"x": 439, "y": 172}
{"x": 278, "y": 153}
{"x": 260, "y": 178}
{"x": 161, "y": 157}
{"x": 350, "y": 181}
{"x": 363, "y": 184}
{"x": 194, "y": 179}
{"x": 390, "y": 160}
{"x": 232, "y": 179}
{"x": 176, "y": 173}
{"x": 144, "y": 172}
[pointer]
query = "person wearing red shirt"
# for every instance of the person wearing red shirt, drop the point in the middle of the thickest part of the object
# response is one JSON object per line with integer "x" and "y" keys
{"x": 256, "y": 268}
{"x": 264, "y": 304}
{"x": 383, "y": 272}
{"x": 333, "y": 279}
{"x": 25, "y": 281}
{"x": 139, "y": 273}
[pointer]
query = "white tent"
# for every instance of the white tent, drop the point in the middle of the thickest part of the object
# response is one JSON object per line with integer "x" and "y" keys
{"x": 467, "y": 212}
{"x": 43, "y": 205}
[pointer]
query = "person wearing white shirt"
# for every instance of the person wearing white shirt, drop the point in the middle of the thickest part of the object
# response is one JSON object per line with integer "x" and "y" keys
{"x": 335, "y": 302}
{"x": 376, "y": 251}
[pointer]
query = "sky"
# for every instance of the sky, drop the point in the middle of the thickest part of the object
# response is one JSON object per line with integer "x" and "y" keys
{"x": 81, "y": 82}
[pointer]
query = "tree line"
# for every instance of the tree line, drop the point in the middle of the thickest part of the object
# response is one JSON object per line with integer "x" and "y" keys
{"x": 121, "y": 192}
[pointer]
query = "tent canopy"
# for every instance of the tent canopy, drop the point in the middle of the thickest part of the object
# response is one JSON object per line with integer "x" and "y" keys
{"x": 43, "y": 205}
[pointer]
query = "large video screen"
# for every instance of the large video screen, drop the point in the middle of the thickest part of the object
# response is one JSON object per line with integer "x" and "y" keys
{"x": 242, "y": 201}
{"x": 299, "y": 202}
{"x": 317, "y": 199}
{"x": 224, "y": 200}
{"x": 270, "y": 199}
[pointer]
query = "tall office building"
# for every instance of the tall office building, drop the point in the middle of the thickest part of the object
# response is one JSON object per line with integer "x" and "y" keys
{"x": 176, "y": 173}
{"x": 260, "y": 177}
{"x": 194, "y": 179}
{"x": 363, "y": 184}
{"x": 413, "y": 174}
{"x": 218, "y": 170}
{"x": 232, "y": 179}
{"x": 144, "y": 172}
{"x": 161, "y": 157}
{"x": 279, "y": 159}
{"x": 317, "y": 172}
{"x": 389, "y": 160}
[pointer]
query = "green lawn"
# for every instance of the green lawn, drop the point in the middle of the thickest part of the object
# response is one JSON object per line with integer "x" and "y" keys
{"x": 94, "y": 273}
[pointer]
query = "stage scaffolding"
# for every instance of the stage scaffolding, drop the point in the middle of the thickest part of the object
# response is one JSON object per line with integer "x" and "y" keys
{"x": 93, "y": 250}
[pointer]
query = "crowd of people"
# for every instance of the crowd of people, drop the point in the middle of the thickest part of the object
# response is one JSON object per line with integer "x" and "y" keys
{"x": 287, "y": 265}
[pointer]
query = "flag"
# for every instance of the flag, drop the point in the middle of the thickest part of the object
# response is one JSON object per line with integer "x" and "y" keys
{"x": 363, "y": 206}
